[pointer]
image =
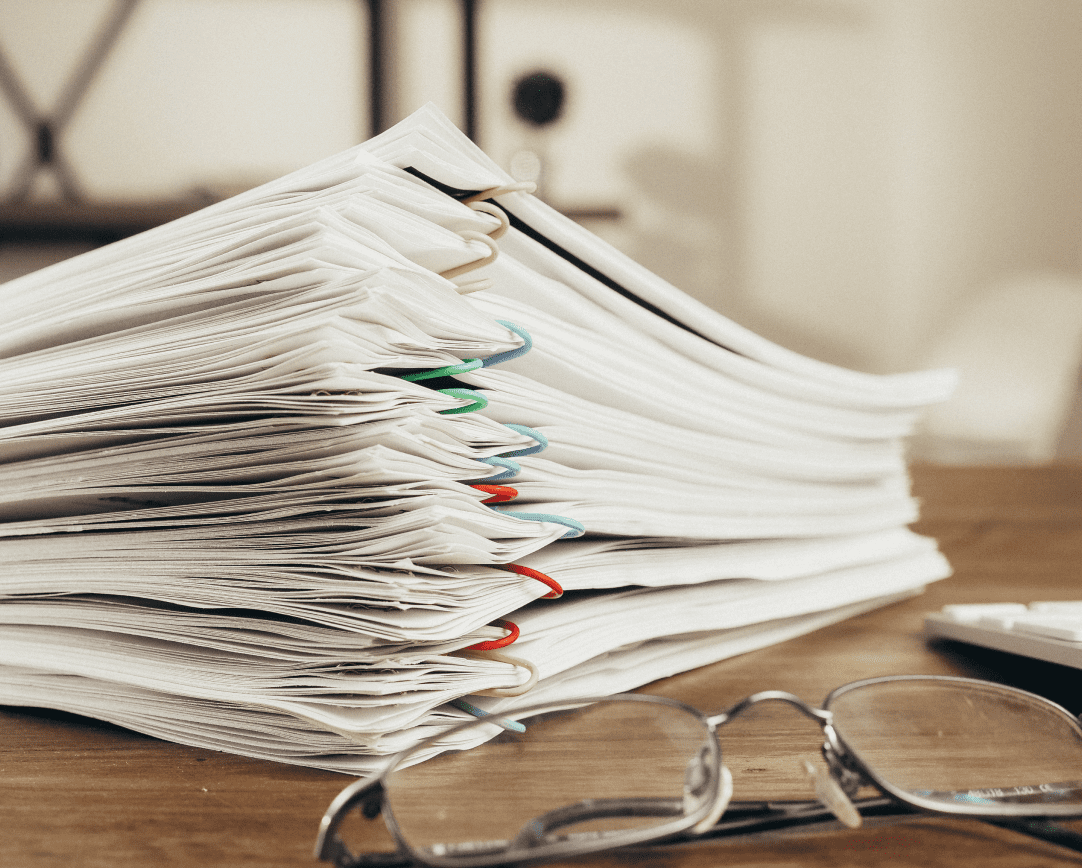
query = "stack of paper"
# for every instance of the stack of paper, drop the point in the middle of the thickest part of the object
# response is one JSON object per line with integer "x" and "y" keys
{"x": 281, "y": 478}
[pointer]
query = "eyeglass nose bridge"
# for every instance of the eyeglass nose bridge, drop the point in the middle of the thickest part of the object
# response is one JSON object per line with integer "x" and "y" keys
{"x": 849, "y": 775}
{"x": 820, "y": 715}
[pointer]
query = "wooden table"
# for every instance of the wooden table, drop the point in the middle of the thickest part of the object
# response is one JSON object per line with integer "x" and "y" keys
{"x": 76, "y": 792}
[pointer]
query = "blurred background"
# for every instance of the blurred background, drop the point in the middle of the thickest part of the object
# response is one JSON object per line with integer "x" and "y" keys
{"x": 881, "y": 184}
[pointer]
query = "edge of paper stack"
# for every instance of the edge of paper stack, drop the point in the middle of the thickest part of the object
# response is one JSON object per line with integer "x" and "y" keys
{"x": 281, "y": 478}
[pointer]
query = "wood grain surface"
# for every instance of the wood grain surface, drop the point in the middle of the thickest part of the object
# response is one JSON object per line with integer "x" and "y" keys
{"x": 76, "y": 792}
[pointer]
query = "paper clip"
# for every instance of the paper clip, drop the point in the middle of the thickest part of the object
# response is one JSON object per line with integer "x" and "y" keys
{"x": 493, "y": 192}
{"x": 511, "y": 469}
{"x": 542, "y": 441}
{"x": 510, "y": 354}
{"x": 512, "y": 661}
{"x": 557, "y": 590}
{"x": 475, "y": 286}
{"x": 500, "y": 493}
{"x": 466, "y": 268}
{"x": 463, "y": 367}
{"x": 577, "y": 528}
{"x": 497, "y": 212}
{"x": 470, "y": 708}
{"x": 492, "y": 644}
{"x": 479, "y": 401}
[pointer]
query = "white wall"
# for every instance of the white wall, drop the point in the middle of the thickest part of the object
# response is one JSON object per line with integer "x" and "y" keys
{"x": 841, "y": 175}
{"x": 845, "y": 176}
{"x": 196, "y": 93}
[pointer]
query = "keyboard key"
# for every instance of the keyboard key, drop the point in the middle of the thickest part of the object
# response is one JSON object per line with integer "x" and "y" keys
{"x": 1067, "y": 629}
{"x": 1066, "y": 607}
{"x": 967, "y": 612}
{"x": 1048, "y": 630}
{"x": 999, "y": 622}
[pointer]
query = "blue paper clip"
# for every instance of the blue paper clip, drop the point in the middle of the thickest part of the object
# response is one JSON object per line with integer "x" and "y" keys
{"x": 511, "y": 469}
{"x": 577, "y": 528}
{"x": 542, "y": 442}
{"x": 510, "y": 725}
{"x": 511, "y": 354}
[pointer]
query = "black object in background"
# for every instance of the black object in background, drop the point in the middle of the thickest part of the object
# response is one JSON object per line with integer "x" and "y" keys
{"x": 539, "y": 98}
{"x": 1061, "y": 684}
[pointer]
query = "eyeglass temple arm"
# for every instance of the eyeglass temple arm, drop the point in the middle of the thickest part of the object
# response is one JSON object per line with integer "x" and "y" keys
{"x": 744, "y": 818}
{"x": 535, "y": 830}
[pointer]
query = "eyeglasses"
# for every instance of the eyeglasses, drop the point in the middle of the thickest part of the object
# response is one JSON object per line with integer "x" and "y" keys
{"x": 572, "y": 778}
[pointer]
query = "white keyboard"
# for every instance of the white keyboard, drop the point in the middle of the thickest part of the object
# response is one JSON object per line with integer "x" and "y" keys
{"x": 1049, "y": 631}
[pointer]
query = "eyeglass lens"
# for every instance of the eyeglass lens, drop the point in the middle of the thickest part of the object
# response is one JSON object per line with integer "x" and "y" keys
{"x": 586, "y": 773}
{"x": 962, "y": 744}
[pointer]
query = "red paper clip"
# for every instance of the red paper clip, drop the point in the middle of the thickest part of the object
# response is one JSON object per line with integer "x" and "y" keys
{"x": 500, "y": 493}
{"x": 512, "y": 635}
{"x": 556, "y": 591}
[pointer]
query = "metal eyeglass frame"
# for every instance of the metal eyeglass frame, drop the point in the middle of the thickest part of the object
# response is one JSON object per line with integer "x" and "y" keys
{"x": 847, "y": 773}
